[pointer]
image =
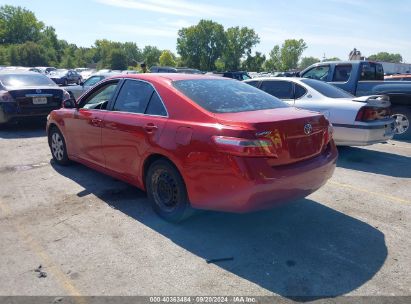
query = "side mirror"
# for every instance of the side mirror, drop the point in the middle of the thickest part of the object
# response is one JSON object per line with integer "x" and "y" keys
{"x": 70, "y": 103}
{"x": 82, "y": 83}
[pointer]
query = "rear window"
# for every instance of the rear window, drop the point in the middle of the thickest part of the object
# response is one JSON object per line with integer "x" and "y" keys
{"x": 326, "y": 89}
{"x": 227, "y": 96}
{"x": 26, "y": 80}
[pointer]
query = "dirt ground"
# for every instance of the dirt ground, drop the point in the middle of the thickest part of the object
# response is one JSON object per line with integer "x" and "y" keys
{"x": 93, "y": 235}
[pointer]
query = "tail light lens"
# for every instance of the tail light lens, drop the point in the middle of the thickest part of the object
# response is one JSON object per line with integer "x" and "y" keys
{"x": 245, "y": 147}
{"x": 373, "y": 113}
{"x": 5, "y": 97}
{"x": 328, "y": 134}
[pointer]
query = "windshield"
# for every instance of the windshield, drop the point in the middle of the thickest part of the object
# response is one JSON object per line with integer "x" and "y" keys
{"x": 26, "y": 80}
{"x": 227, "y": 96}
{"x": 326, "y": 89}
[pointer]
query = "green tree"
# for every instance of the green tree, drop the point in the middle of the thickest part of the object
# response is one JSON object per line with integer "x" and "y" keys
{"x": 30, "y": 54}
{"x": 18, "y": 25}
{"x": 274, "y": 60}
{"x": 286, "y": 57}
{"x": 386, "y": 57}
{"x": 291, "y": 52}
{"x": 118, "y": 60}
{"x": 132, "y": 52}
{"x": 151, "y": 55}
{"x": 332, "y": 59}
{"x": 201, "y": 45}
{"x": 167, "y": 59}
{"x": 239, "y": 42}
{"x": 307, "y": 61}
{"x": 254, "y": 63}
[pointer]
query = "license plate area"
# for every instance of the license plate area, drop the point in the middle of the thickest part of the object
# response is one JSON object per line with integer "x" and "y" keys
{"x": 39, "y": 100}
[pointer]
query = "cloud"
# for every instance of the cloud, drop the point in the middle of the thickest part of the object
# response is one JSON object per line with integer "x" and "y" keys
{"x": 176, "y": 7}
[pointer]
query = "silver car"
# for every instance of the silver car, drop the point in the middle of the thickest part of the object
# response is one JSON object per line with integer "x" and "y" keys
{"x": 77, "y": 90}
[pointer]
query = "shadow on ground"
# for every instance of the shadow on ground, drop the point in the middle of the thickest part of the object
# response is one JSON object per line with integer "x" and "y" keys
{"x": 374, "y": 161}
{"x": 25, "y": 129}
{"x": 303, "y": 249}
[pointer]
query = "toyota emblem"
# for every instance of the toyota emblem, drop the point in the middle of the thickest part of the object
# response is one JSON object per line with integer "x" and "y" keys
{"x": 38, "y": 91}
{"x": 308, "y": 128}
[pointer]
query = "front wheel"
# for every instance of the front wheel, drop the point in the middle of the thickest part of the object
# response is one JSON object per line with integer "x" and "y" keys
{"x": 402, "y": 118}
{"x": 58, "y": 147}
{"x": 167, "y": 191}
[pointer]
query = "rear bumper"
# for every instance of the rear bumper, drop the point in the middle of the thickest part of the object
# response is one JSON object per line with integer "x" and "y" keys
{"x": 249, "y": 184}
{"x": 363, "y": 135}
{"x": 11, "y": 112}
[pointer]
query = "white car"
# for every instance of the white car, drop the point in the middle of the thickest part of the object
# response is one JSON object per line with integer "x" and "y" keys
{"x": 357, "y": 121}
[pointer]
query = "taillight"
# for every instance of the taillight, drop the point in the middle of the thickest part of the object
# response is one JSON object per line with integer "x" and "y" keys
{"x": 5, "y": 97}
{"x": 372, "y": 113}
{"x": 328, "y": 134}
{"x": 245, "y": 147}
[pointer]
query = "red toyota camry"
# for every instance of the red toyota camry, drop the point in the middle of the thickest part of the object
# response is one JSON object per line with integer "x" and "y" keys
{"x": 195, "y": 142}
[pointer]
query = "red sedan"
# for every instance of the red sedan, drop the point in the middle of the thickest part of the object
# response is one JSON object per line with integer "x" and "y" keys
{"x": 195, "y": 141}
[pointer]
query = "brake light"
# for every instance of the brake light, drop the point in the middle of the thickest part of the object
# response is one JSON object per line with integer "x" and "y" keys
{"x": 5, "y": 97}
{"x": 372, "y": 113}
{"x": 245, "y": 147}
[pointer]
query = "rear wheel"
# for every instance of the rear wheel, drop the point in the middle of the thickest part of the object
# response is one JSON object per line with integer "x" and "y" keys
{"x": 167, "y": 191}
{"x": 402, "y": 118}
{"x": 58, "y": 147}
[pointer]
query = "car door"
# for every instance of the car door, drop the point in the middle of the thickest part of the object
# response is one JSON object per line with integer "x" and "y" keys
{"x": 132, "y": 127}
{"x": 84, "y": 127}
{"x": 279, "y": 88}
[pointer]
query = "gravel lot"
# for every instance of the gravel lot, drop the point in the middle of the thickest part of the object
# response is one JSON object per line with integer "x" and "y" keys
{"x": 94, "y": 235}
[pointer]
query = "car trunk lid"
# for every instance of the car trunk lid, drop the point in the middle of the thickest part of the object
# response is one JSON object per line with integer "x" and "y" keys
{"x": 295, "y": 134}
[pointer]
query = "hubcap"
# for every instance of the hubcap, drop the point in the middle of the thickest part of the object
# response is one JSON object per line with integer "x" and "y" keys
{"x": 165, "y": 190}
{"x": 401, "y": 123}
{"x": 57, "y": 146}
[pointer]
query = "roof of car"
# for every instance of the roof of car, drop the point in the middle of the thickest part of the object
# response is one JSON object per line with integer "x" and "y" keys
{"x": 168, "y": 76}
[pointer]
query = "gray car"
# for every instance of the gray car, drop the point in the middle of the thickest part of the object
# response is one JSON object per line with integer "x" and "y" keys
{"x": 77, "y": 90}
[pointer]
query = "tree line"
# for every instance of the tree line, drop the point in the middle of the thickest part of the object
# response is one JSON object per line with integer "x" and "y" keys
{"x": 207, "y": 46}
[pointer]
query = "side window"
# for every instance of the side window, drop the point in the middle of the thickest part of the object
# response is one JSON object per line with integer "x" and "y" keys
{"x": 299, "y": 91}
{"x": 368, "y": 71}
{"x": 319, "y": 72}
{"x": 253, "y": 83}
{"x": 279, "y": 89}
{"x": 100, "y": 98}
{"x": 133, "y": 97}
{"x": 342, "y": 72}
{"x": 155, "y": 106}
{"x": 379, "y": 72}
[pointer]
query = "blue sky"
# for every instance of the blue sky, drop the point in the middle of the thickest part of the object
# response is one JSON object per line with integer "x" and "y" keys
{"x": 331, "y": 27}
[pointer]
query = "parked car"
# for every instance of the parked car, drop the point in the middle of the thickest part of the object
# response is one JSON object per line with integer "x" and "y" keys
{"x": 165, "y": 69}
{"x": 85, "y": 72}
{"x": 357, "y": 121}
{"x": 25, "y": 94}
{"x": 76, "y": 91}
{"x": 46, "y": 70}
{"x": 362, "y": 78}
{"x": 65, "y": 77}
{"x": 195, "y": 141}
{"x": 239, "y": 75}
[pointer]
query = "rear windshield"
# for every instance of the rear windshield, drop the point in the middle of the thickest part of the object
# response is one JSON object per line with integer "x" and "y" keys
{"x": 25, "y": 80}
{"x": 326, "y": 89}
{"x": 227, "y": 96}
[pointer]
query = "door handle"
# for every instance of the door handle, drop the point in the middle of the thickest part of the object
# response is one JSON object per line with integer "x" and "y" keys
{"x": 150, "y": 128}
{"x": 96, "y": 122}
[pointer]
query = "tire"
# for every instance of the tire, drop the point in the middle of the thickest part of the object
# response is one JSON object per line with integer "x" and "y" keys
{"x": 402, "y": 117}
{"x": 58, "y": 147}
{"x": 167, "y": 192}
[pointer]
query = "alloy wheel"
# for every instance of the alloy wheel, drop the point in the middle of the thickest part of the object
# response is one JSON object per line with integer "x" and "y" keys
{"x": 401, "y": 123}
{"x": 57, "y": 146}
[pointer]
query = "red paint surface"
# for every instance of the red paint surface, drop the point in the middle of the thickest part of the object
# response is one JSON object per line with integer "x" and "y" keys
{"x": 119, "y": 144}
